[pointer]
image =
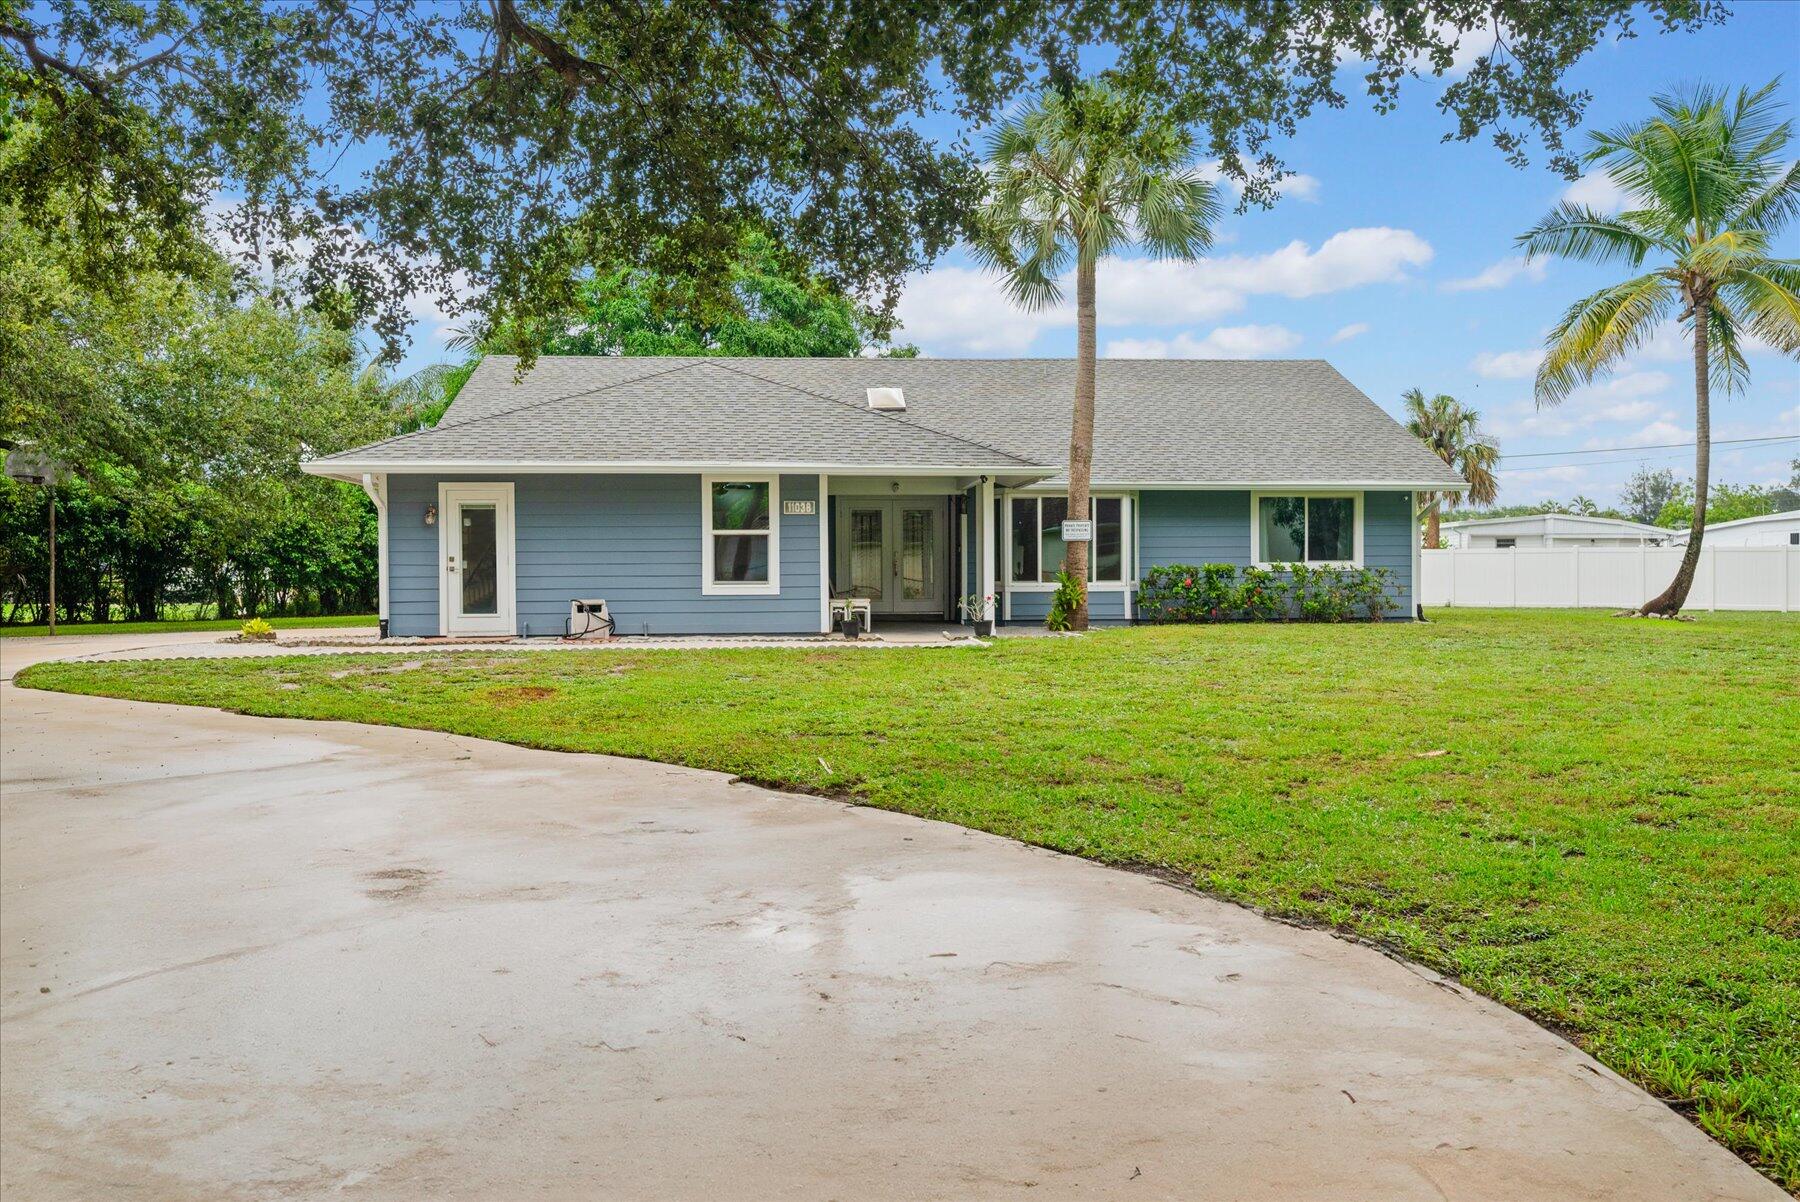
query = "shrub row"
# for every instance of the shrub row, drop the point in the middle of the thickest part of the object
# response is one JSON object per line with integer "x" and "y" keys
{"x": 1220, "y": 592}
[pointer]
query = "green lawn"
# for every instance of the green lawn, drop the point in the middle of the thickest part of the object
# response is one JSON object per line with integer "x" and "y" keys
{"x": 62, "y": 628}
{"x": 1595, "y": 821}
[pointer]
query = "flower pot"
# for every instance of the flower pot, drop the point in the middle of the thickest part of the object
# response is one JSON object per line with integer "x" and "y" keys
{"x": 984, "y": 629}
{"x": 850, "y": 625}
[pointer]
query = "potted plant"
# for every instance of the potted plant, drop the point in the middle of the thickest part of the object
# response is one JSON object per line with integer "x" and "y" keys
{"x": 850, "y": 621}
{"x": 978, "y": 611}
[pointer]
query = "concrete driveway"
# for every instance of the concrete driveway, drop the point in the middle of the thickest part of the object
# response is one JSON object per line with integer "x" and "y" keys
{"x": 248, "y": 958}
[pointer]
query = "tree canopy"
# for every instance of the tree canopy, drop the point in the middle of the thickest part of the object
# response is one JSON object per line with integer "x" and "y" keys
{"x": 503, "y": 148}
{"x": 776, "y": 308}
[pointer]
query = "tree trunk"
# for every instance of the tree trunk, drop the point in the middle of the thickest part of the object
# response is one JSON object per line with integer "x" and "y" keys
{"x": 1431, "y": 526}
{"x": 1081, "y": 432}
{"x": 1671, "y": 599}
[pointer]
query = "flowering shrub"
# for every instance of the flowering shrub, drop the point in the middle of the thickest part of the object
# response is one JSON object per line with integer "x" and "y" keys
{"x": 1184, "y": 593}
{"x": 1264, "y": 595}
{"x": 1218, "y": 592}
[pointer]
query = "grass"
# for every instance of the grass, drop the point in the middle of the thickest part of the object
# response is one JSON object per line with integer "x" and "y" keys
{"x": 1594, "y": 821}
{"x": 62, "y": 628}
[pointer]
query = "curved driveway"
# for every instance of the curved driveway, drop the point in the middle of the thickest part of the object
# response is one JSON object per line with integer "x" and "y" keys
{"x": 249, "y": 958}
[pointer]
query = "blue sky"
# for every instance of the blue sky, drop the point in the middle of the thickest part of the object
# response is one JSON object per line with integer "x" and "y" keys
{"x": 1392, "y": 257}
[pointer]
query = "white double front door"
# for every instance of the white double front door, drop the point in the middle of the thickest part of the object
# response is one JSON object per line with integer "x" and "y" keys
{"x": 476, "y": 592}
{"x": 893, "y": 552}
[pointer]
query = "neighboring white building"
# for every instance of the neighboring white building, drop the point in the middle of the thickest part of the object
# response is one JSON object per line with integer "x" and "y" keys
{"x": 1769, "y": 530}
{"x": 1551, "y": 530}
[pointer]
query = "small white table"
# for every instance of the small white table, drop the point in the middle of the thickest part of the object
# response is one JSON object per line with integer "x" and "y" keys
{"x": 842, "y": 606}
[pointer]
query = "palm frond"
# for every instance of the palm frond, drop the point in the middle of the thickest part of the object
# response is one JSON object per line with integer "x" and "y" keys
{"x": 1573, "y": 231}
{"x": 1599, "y": 330}
{"x": 1767, "y": 302}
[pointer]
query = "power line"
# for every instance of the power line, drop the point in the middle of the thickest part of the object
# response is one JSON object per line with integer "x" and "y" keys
{"x": 1659, "y": 446}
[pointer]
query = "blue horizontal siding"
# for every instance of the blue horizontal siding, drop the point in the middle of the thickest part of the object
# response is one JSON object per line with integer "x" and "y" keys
{"x": 1214, "y": 527}
{"x": 1105, "y": 608}
{"x": 634, "y": 540}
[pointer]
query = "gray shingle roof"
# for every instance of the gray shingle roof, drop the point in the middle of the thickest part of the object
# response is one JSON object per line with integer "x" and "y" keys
{"x": 1175, "y": 421}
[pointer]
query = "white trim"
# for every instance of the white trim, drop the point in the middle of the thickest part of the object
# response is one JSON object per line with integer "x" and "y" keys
{"x": 505, "y": 619}
{"x": 984, "y": 525}
{"x": 376, "y": 487}
{"x": 1123, "y": 584}
{"x": 824, "y": 554}
{"x": 1256, "y": 556}
{"x": 1418, "y": 542}
{"x": 710, "y": 587}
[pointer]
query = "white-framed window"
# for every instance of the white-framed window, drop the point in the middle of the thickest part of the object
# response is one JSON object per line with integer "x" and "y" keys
{"x": 740, "y": 535}
{"x": 1320, "y": 528}
{"x": 1035, "y": 548}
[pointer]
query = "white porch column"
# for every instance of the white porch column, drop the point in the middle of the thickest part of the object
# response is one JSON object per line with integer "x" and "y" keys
{"x": 376, "y": 487}
{"x": 824, "y": 555}
{"x": 984, "y": 525}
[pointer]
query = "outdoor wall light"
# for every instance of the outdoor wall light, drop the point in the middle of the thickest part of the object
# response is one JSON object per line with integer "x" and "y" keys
{"x": 431, "y": 515}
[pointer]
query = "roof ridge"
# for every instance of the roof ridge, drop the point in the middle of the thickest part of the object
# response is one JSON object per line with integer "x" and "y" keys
{"x": 916, "y": 425}
{"x": 520, "y": 409}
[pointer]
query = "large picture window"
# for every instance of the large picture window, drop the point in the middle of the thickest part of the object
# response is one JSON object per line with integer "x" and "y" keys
{"x": 1301, "y": 528}
{"x": 1038, "y": 549}
{"x": 740, "y": 538}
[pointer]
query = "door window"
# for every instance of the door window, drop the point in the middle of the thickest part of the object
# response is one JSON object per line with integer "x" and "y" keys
{"x": 480, "y": 560}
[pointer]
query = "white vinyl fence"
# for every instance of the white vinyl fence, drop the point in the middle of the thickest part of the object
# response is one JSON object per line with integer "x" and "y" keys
{"x": 1609, "y": 577}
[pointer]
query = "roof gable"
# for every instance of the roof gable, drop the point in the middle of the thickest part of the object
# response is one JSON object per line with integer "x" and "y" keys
{"x": 1199, "y": 423}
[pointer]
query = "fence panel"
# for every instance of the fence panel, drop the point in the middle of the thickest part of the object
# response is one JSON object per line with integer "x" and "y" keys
{"x": 1761, "y": 578}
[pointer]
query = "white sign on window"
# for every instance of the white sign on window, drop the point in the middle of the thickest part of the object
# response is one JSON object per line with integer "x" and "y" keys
{"x": 798, "y": 509}
{"x": 1078, "y": 531}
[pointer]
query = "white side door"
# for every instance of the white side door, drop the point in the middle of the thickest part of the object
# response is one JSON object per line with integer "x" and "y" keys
{"x": 477, "y": 588}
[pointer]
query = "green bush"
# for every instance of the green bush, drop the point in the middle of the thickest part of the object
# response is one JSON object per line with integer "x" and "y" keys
{"x": 257, "y": 630}
{"x": 1217, "y": 592}
{"x": 1065, "y": 601}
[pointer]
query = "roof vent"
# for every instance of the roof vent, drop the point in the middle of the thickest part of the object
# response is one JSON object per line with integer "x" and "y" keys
{"x": 887, "y": 398}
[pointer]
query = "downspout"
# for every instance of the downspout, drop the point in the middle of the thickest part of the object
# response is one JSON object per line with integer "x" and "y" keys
{"x": 377, "y": 493}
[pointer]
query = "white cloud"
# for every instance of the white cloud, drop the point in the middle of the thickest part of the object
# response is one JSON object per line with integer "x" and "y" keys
{"x": 1355, "y": 329}
{"x": 1658, "y": 433}
{"x": 1596, "y": 190}
{"x": 1628, "y": 397}
{"x": 964, "y": 310}
{"x": 1507, "y": 365}
{"x": 1170, "y": 291}
{"x": 1225, "y": 342}
{"x": 1498, "y": 275}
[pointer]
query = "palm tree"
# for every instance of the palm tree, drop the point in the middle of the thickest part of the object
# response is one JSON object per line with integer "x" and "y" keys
{"x": 1453, "y": 434}
{"x": 1082, "y": 174}
{"x": 1707, "y": 192}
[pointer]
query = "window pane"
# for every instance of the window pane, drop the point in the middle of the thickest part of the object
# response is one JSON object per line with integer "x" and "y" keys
{"x": 868, "y": 562}
{"x": 480, "y": 570}
{"x": 741, "y": 558}
{"x": 1024, "y": 538}
{"x": 1330, "y": 528}
{"x": 1282, "y": 522}
{"x": 1108, "y": 559}
{"x": 740, "y": 505}
{"x": 1055, "y": 552}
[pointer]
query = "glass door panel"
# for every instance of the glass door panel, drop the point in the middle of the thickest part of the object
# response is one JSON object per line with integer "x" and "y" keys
{"x": 868, "y": 554}
{"x": 918, "y": 555}
{"x": 480, "y": 559}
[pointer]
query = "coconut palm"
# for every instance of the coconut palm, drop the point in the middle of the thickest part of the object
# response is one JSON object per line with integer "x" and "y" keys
{"x": 1079, "y": 175}
{"x": 1707, "y": 192}
{"x": 1453, "y": 434}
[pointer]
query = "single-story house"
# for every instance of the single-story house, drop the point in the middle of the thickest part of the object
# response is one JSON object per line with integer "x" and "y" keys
{"x": 1551, "y": 530}
{"x": 713, "y": 495}
{"x": 1766, "y": 530}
